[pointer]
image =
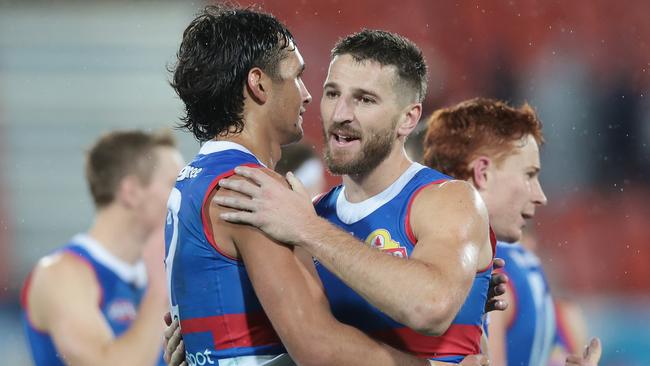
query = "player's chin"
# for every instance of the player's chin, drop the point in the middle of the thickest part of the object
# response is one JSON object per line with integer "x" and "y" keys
{"x": 296, "y": 135}
{"x": 513, "y": 235}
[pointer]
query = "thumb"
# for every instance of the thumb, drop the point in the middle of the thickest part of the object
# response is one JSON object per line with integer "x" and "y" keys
{"x": 296, "y": 185}
{"x": 593, "y": 352}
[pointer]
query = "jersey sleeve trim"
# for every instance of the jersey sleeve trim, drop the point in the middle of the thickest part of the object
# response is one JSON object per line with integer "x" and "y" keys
{"x": 407, "y": 220}
{"x": 207, "y": 227}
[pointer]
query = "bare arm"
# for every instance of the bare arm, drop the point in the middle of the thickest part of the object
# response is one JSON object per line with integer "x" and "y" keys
{"x": 63, "y": 300}
{"x": 448, "y": 252}
{"x": 290, "y": 292}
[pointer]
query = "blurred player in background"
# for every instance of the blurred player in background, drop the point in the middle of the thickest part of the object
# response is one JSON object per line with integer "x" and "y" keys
{"x": 496, "y": 148}
{"x": 95, "y": 301}
{"x": 570, "y": 325}
{"x": 305, "y": 164}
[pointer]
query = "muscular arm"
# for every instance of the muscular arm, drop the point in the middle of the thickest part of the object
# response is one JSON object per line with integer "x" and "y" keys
{"x": 426, "y": 291}
{"x": 448, "y": 220}
{"x": 63, "y": 300}
{"x": 288, "y": 288}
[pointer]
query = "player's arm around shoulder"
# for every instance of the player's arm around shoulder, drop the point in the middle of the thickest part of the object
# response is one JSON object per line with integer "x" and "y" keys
{"x": 288, "y": 287}
{"x": 63, "y": 299}
{"x": 450, "y": 222}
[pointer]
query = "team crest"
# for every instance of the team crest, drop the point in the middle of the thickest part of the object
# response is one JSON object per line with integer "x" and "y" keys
{"x": 122, "y": 311}
{"x": 380, "y": 239}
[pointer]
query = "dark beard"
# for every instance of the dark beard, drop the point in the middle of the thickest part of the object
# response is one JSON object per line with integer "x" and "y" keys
{"x": 374, "y": 150}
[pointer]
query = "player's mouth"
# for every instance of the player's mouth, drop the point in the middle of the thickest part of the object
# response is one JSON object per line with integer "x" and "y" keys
{"x": 344, "y": 139}
{"x": 527, "y": 216}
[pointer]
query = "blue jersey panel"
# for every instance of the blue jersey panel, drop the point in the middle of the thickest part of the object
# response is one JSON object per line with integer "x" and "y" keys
{"x": 531, "y": 334}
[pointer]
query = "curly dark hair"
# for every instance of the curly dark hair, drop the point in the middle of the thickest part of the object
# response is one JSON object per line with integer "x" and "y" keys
{"x": 388, "y": 49}
{"x": 219, "y": 48}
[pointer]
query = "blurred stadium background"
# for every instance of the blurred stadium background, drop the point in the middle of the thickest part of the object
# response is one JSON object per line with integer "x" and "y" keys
{"x": 70, "y": 70}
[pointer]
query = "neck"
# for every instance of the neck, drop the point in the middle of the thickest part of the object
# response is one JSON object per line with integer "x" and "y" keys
{"x": 120, "y": 233}
{"x": 359, "y": 187}
{"x": 255, "y": 138}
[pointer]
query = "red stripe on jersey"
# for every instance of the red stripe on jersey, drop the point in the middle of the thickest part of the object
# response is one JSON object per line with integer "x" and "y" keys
{"x": 458, "y": 340}
{"x": 25, "y": 290}
{"x": 317, "y": 198}
{"x": 493, "y": 244}
{"x": 207, "y": 225}
{"x": 407, "y": 223}
{"x": 234, "y": 330}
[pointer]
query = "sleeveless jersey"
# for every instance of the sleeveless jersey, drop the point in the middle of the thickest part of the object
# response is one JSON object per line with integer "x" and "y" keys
{"x": 383, "y": 223}
{"x": 122, "y": 287}
{"x": 531, "y": 333}
{"x": 221, "y": 319}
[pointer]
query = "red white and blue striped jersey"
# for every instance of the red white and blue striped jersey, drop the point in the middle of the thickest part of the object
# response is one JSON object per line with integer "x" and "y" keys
{"x": 122, "y": 286}
{"x": 531, "y": 334}
{"x": 221, "y": 318}
{"x": 383, "y": 223}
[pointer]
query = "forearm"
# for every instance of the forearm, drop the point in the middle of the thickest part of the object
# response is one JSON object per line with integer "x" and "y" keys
{"x": 345, "y": 345}
{"x": 409, "y": 291}
{"x": 142, "y": 343}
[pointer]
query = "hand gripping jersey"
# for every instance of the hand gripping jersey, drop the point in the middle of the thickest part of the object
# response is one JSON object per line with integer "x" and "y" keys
{"x": 383, "y": 223}
{"x": 531, "y": 334}
{"x": 122, "y": 286}
{"x": 221, "y": 319}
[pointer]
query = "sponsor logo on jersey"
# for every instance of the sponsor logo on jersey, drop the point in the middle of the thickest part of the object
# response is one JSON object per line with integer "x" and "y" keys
{"x": 188, "y": 172}
{"x": 199, "y": 358}
{"x": 381, "y": 239}
{"x": 121, "y": 311}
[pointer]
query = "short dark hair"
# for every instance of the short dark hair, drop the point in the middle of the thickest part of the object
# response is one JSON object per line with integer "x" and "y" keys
{"x": 118, "y": 154}
{"x": 458, "y": 134}
{"x": 388, "y": 49}
{"x": 219, "y": 47}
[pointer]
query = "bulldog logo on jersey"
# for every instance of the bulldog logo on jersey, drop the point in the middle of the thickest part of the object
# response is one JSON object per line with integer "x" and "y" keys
{"x": 381, "y": 240}
{"x": 122, "y": 311}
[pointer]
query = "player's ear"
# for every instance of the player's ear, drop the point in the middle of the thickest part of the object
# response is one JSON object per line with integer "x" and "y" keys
{"x": 410, "y": 118}
{"x": 129, "y": 191}
{"x": 257, "y": 85}
{"x": 479, "y": 169}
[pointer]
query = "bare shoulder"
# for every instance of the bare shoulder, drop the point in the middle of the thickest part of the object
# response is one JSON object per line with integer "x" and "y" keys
{"x": 62, "y": 268}
{"x": 57, "y": 282}
{"x": 456, "y": 208}
{"x": 456, "y": 194}
{"x": 237, "y": 178}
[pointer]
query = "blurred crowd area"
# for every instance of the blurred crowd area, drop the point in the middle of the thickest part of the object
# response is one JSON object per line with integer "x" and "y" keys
{"x": 72, "y": 70}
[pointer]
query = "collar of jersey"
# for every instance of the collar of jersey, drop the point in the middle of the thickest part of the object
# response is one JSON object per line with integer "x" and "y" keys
{"x": 135, "y": 274}
{"x": 211, "y": 147}
{"x": 350, "y": 213}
